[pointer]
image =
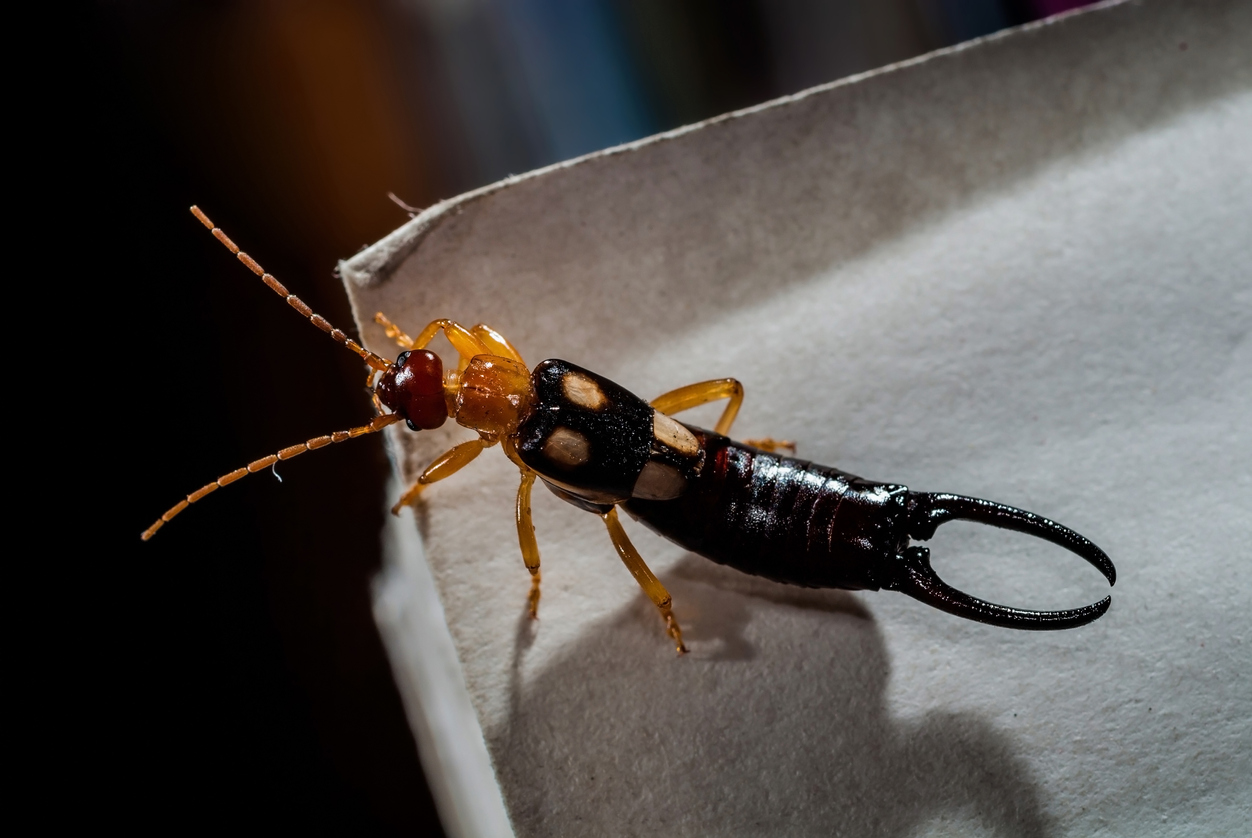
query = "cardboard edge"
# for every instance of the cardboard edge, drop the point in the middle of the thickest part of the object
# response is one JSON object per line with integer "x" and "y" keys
{"x": 428, "y": 675}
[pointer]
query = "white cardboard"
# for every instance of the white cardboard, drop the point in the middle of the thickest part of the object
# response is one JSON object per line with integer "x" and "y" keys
{"x": 1019, "y": 270}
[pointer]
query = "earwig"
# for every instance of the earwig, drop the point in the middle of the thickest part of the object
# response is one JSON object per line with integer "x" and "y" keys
{"x": 598, "y": 446}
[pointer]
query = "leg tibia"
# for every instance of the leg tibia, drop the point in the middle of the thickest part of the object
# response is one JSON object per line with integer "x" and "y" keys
{"x": 394, "y": 332}
{"x": 644, "y": 576}
{"x": 532, "y": 598}
{"x": 694, "y": 395}
{"x": 496, "y": 343}
{"x": 445, "y": 465}
{"x": 526, "y": 538}
{"x": 465, "y": 342}
{"x": 461, "y": 338}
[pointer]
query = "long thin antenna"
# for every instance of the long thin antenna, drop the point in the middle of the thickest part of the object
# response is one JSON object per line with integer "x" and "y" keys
{"x": 380, "y": 364}
{"x": 317, "y": 442}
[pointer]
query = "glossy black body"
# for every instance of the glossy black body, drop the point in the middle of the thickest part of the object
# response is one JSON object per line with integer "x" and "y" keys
{"x": 779, "y": 517}
{"x": 783, "y": 518}
{"x": 618, "y": 431}
{"x": 596, "y": 445}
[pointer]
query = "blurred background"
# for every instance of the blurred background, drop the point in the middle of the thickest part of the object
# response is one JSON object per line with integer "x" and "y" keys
{"x": 253, "y": 685}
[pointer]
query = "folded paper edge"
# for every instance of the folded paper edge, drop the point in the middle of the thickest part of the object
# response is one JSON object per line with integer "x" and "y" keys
{"x": 440, "y": 713}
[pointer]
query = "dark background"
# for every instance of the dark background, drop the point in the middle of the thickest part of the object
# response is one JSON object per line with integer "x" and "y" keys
{"x": 248, "y": 683}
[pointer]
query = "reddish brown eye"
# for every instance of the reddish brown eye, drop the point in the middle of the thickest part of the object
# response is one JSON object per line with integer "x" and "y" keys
{"x": 413, "y": 387}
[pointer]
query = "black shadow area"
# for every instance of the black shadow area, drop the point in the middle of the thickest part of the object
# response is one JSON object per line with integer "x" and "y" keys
{"x": 776, "y": 723}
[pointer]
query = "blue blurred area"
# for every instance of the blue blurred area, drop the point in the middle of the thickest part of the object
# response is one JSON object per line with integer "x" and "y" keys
{"x": 536, "y": 81}
{"x": 532, "y": 82}
{"x": 576, "y": 72}
{"x": 962, "y": 20}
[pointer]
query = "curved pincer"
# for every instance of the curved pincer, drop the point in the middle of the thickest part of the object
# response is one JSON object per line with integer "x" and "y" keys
{"x": 915, "y": 576}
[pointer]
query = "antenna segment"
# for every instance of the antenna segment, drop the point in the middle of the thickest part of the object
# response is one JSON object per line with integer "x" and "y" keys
{"x": 253, "y": 467}
{"x": 379, "y": 364}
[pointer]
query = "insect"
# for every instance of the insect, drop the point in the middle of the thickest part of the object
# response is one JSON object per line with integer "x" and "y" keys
{"x": 598, "y": 446}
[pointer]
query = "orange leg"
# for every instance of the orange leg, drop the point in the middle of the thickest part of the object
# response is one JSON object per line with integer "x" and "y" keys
{"x": 644, "y": 576}
{"x": 369, "y": 388}
{"x": 694, "y": 395}
{"x": 465, "y": 342}
{"x": 526, "y": 525}
{"x": 526, "y": 538}
{"x": 445, "y": 465}
{"x": 393, "y": 331}
{"x": 497, "y": 343}
{"x": 479, "y": 340}
{"x": 295, "y": 302}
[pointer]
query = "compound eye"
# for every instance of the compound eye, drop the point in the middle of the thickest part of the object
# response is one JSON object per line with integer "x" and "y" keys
{"x": 404, "y": 356}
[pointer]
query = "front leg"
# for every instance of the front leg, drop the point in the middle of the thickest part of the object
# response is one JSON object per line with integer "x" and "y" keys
{"x": 644, "y": 576}
{"x": 464, "y": 341}
{"x": 445, "y": 465}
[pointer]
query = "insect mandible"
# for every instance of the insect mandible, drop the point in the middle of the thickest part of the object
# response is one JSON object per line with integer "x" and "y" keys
{"x": 598, "y": 446}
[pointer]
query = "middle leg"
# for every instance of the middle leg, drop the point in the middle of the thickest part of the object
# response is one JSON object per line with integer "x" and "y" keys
{"x": 694, "y": 395}
{"x": 526, "y": 538}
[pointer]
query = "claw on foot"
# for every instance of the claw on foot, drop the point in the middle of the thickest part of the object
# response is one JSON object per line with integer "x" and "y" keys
{"x": 533, "y": 597}
{"x": 675, "y": 633}
{"x": 408, "y": 498}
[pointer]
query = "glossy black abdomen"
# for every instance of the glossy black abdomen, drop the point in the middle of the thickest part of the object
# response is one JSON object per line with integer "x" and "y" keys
{"x": 782, "y": 518}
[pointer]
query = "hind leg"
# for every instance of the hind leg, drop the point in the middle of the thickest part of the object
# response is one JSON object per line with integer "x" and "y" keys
{"x": 644, "y": 576}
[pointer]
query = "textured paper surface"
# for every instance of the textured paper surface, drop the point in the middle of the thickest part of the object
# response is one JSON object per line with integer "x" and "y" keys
{"x": 1018, "y": 270}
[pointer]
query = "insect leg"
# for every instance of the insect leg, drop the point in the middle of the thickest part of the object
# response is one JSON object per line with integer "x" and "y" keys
{"x": 445, "y": 465}
{"x": 369, "y": 388}
{"x": 694, "y": 395}
{"x": 526, "y": 538}
{"x": 496, "y": 342}
{"x": 644, "y": 576}
{"x": 394, "y": 332}
{"x": 295, "y": 302}
{"x": 465, "y": 342}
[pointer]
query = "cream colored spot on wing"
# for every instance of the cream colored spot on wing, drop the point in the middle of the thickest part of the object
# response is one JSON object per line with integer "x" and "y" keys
{"x": 582, "y": 391}
{"x": 658, "y": 481}
{"x": 669, "y": 432}
{"x": 567, "y": 448}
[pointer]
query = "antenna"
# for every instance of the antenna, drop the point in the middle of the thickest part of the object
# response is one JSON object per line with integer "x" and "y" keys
{"x": 253, "y": 467}
{"x": 379, "y": 364}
